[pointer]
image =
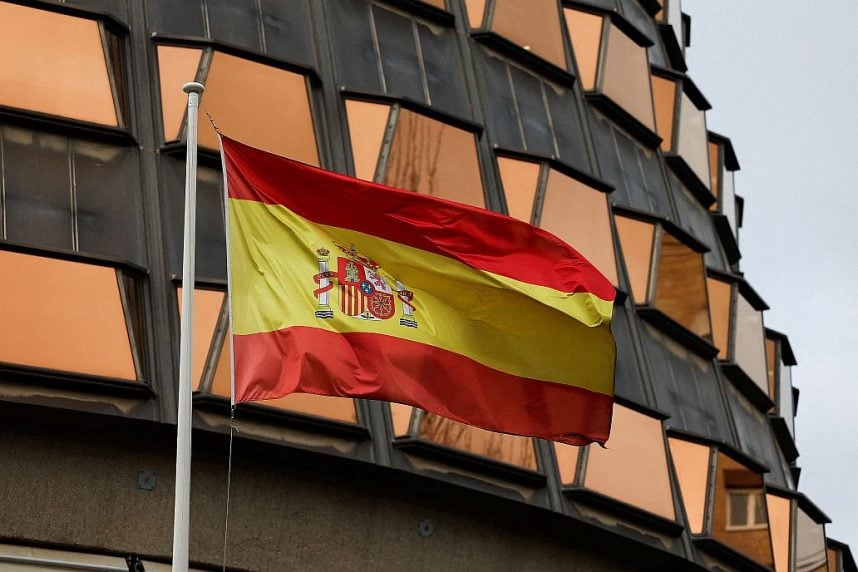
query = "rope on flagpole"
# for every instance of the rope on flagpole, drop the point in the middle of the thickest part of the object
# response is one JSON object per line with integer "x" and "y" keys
{"x": 232, "y": 431}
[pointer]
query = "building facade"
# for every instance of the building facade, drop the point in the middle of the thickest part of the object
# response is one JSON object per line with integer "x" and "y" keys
{"x": 577, "y": 116}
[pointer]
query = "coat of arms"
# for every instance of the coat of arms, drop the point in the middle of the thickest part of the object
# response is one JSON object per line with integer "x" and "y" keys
{"x": 364, "y": 293}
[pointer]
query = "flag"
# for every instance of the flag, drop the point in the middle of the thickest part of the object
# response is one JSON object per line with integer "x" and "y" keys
{"x": 349, "y": 288}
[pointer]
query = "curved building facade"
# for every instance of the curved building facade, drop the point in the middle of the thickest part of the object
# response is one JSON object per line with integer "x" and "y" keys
{"x": 577, "y": 116}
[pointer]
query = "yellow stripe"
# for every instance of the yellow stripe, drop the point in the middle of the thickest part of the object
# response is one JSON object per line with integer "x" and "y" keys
{"x": 495, "y": 320}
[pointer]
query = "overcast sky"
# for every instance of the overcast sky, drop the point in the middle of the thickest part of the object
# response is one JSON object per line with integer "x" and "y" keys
{"x": 782, "y": 78}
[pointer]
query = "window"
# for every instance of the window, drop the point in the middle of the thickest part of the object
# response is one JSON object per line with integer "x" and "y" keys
{"x": 614, "y": 69}
{"x": 423, "y": 155}
{"x": 720, "y": 309}
{"x": 745, "y": 509}
{"x": 722, "y": 165}
{"x": 66, "y": 193}
{"x": 633, "y": 467}
{"x": 749, "y": 342}
{"x": 381, "y": 51}
{"x": 664, "y": 91}
{"x": 810, "y": 552}
{"x": 61, "y": 65}
{"x": 778, "y": 511}
{"x": 691, "y": 464}
{"x": 532, "y": 25}
{"x": 509, "y": 449}
{"x": 258, "y": 104}
{"x": 562, "y": 205}
{"x": 529, "y": 113}
{"x": 675, "y": 283}
{"x": 779, "y": 358}
{"x": 739, "y": 518}
{"x": 56, "y": 311}
{"x": 212, "y": 370}
{"x": 688, "y": 155}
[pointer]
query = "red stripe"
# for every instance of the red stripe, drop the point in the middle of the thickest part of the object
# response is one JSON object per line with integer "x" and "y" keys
{"x": 479, "y": 238}
{"x": 374, "y": 366}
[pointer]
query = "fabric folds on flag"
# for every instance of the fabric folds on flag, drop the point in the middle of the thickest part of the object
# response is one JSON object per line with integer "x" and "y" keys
{"x": 349, "y": 288}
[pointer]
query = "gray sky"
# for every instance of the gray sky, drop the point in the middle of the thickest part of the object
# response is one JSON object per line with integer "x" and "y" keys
{"x": 782, "y": 78}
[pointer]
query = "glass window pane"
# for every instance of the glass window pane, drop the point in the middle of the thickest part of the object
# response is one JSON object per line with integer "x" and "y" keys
{"x": 54, "y": 63}
{"x": 728, "y": 201}
{"x": 680, "y": 290}
{"x": 625, "y": 76}
{"x": 691, "y": 463}
{"x": 567, "y": 462}
{"x": 207, "y": 308}
{"x": 579, "y": 215}
{"x": 749, "y": 343}
{"x": 54, "y": 312}
{"x": 636, "y": 239}
{"x": 784, "y": 402}
{"x": 693, "y": 143}
{"x": 738, "y": 496}
{"x": 475, "y": 9}
{"x": 434, "y": 158}
{"x": 809, "y": 543}
{"x": 719, "y": 312}
{"x": 771, "y": 369}
{"x": 176, "y": 67}
{"x": 633, "y": 467}
{"x": 585, "y": 31}
{"x": 519, "y": 179}
{"x": 714, "y": 148}
{"x": 832, "y": 560}
{"x": 401, "y": 417}
{"x": 664, "y": 97}
{"x": 367, "y": 125}
{"x": 510, "y": 449}
{"x": 532, "y": 24}
{"x": 779, "y": 519}
{"x": 259, "y": 105}
{"x": 336, "y": 408}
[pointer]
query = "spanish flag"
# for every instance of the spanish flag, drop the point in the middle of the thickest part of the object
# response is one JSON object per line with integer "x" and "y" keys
{"x": 344, "y": 287}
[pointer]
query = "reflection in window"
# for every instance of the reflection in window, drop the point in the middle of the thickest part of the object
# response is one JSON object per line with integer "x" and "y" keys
{"x": 779, "y": 509}
{"x": 367, "y": 125}
{"x": 745, "y": 509}
{"x": 424, "y": 155}
{"x": 258, "y": 104}
{"x": 664, "y": 99}
{"x": 739, "y": 518}
{"x": 633, "y": 467}
{"x": 749, "y": 343}
{"x": 810, "y": 554}
{"x": 208, "y": 306}
{"x": 476, "y": 12}
{"x": 56, "y": 311}
{"x": 692, "y": 143}
{"x": 720, "y": 293}
{"x": 622, "y": 72}
{"x": 570, "y": 209}
{"x": 691, "y": 463}
{"x": 60, "y": 65}
{"x": 212, "y": 361}
{"x": 636, "y": 240}
{"x": 520, "y": 180}
{"x": 501, "y": 447}
{"x": 531, "y": 24}
{"x": 680, "y": 287}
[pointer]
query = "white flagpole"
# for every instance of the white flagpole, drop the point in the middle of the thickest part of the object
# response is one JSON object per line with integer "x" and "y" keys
{"x": 182, "y": 508}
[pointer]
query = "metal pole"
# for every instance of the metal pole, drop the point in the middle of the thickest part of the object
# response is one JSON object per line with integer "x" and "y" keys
{"x": 181, "y": 513}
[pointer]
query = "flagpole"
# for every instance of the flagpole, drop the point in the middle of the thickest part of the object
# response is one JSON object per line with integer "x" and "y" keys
{"x": 182, "y": 507}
